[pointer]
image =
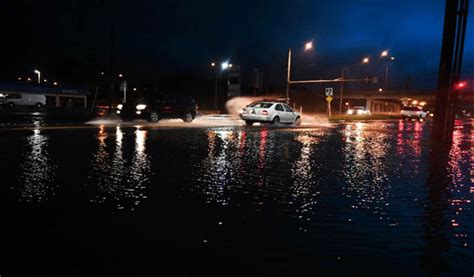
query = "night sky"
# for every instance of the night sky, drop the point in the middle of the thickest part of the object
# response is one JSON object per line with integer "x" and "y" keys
{"x": 154, "y": 39}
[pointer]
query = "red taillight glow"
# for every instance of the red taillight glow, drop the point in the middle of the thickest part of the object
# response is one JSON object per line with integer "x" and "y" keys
{"x": 264, "y": 112}
{"x": 167, "y": 109}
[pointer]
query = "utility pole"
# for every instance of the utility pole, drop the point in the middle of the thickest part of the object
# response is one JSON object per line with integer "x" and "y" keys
{"x": 452, "y": 49}
{"x": 341, "y": 92}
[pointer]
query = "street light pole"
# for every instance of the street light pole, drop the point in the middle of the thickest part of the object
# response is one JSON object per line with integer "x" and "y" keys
{"x": 39, "y": 75}
{"x": 386, "y": 74}
{"x": 216, "y": 87}
{"x": 288, "y": 77}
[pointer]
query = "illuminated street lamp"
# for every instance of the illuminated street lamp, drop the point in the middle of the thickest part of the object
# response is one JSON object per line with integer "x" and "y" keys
{"x": 28, "y": 79}
{"x": 120, "y": 75}
{"x": 55, "y": 83}
{"x": 39, "y": 75}
{"x": 224, "y": 65}
{"x": 384, "y": 53}
{"x": 19, "y": 78}
{"x": 366, "y": 60}
{"x": 308, "y": 46}
{"x": 45, "y": 80}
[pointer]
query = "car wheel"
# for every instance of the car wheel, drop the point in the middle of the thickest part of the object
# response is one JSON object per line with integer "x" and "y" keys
{"x": 154, "y": 117}
{"x": 249, "y": 122}
{"x": 11, "y": 105}
{"x": 276, "y": 120}
{"x": 298, "y": 121}
{"x": 188, "y": 117}
{"x": 39, "y": 105}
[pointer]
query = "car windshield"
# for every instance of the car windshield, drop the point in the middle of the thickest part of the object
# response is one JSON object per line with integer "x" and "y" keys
{"x": 411, "y": 109}
{"x": 262, "y": 105}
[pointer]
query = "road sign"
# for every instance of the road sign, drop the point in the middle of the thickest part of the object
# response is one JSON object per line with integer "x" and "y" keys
{"x": 329, "y": 99}
{"x": 329, "y": 92}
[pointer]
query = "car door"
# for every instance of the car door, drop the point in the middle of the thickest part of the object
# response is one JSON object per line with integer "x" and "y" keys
{"x": 280, "y": 112}
{"x": 289, "y": 113}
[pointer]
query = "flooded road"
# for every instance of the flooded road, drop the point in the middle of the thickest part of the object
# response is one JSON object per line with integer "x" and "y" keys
{"x": 374, "y": 198}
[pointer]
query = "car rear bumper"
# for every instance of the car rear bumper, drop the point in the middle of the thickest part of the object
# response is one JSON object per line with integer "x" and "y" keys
{"x": 256, "y": 117}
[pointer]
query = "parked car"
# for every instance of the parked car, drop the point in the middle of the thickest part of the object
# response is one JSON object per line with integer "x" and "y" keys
{"x": 413, "y": 112}
{"x": 270, "y": 112}
{"x": 154, "y": 109}
{"x": 23, "y": 99}
{"x": 358, "y": 110}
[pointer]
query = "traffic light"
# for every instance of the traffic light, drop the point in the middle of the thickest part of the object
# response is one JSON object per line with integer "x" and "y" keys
{"x": 460, "y": 85}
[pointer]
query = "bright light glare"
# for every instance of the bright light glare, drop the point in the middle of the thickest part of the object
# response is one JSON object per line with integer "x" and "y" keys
{"x": 225, "y": 65}
{"x": 414, "y": 102}
{"x": 119, "y": 106}
{"x": 141, "y": 107}
{"x": 365, "y": 60}
{"x": 380, "y": 89}
{"x": 350, "y": 111}
{"x": 213, "y": 64}
{"x": 37, "y": 71}
{"x": 384, "y": 53}
{"x": 308, "y": 45}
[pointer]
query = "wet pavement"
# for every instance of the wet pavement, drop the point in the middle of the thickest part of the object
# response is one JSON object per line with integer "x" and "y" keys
{"x": 372, "y": 198}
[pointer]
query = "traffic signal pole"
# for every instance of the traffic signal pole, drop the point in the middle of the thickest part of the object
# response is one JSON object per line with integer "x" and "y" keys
{"x": 452, "y": 49}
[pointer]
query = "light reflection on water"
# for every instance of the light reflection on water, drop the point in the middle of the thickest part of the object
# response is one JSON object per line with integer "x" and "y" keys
{"x": 35, "y": 182}
{"x": 379, "y": 175}
{"x": 460, "y": 188}
{"x": 365, "y": 167}
{"x": 118, "y": 178}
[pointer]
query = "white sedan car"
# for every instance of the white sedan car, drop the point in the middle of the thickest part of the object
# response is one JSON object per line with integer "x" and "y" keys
{"x": 270, "y": 112}
{"x": 358, "y": 110}
{"x": 413, "y": 112}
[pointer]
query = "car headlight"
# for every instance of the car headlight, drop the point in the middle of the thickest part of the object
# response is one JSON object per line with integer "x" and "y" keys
{"x": 119, "y": 106}
{"x": 141, "y": 107}
{"x": 350, "y": 111}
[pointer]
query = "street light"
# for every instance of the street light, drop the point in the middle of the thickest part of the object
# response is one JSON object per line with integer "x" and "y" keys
{"x": 391, "y": 59}
{"x": 55, "y": 83}
{"x": 308, "y": 45}
{"x": 29, "y": 79}
{"x": 366, "y": 60}
{"x": 120, "y": 75}
{"x": 39, "y": 75}
{"x": 225, "y": 65}
{"x": 45, "y": 80}
{"x": 19, "y": 78}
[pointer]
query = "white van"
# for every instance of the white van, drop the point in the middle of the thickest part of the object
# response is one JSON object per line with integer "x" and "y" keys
{"x": 20, "y": 99}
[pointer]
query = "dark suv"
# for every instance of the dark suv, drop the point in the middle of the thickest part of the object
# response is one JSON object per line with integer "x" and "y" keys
{"x": 154, "y": 109}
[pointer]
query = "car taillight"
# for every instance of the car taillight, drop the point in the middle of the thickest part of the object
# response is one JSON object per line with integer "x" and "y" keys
{"x": 265, "y": 112}
{"x": 167, "y": 109}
